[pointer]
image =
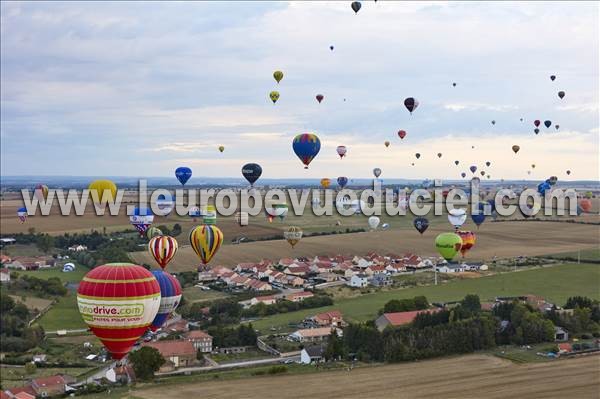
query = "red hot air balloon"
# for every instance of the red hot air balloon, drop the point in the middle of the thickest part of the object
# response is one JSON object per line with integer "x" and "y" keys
{"x": 401, "y": 134}
{"x": 118, "y": 302}
{"x": 162, "y": 249}
{"x": 468, "y": 240}
{"x": 537, "y": 122}
{"x": 319, "y": 98}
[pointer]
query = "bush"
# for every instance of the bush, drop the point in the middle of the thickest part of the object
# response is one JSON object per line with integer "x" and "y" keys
{"x": 277, "y": 370}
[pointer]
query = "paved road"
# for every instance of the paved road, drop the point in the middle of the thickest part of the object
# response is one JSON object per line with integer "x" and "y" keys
{"x": 247, "y": 363}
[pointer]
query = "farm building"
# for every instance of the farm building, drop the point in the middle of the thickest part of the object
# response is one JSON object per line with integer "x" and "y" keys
{"x": 312, "y": 354}
{"x": 311, "y": 334}
{"x": 399, "y": 318}
{"x": 176, "y": 353}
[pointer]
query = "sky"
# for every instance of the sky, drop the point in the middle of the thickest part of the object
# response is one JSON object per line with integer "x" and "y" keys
{"x": 140, "y": 88}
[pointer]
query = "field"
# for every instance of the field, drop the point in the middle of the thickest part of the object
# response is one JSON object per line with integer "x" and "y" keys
{"x": 195, "y": 294}
{"x": 457, "y": 377}
{"x": 555, "y": 283}
{"x": 505, "y": 239}
{"x": 32, "y": 302}
{"x": 69, "y": 277}
{"x": 16, "y": 376}
{"x": 64, "y": 315}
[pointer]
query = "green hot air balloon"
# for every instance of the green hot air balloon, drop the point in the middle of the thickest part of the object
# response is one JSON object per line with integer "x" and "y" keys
{"x": 153, "y": 232}
{"x": 278, "y": 75}
{"x": 274, "y": 95}
{"x": 448, "y": 245}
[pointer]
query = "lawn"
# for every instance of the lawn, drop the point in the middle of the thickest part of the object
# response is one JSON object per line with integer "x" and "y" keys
{"x": 68, "y": 277}
{"x": 195, "y": 294}
{"x": 234, "y": 357}
{"x": 16, "y": 376}
{"x": 22, "y": 250}
{"x": 32, "y": 302}
{"x": 586, "y": 255}
{"x": 64, "y": 315}
{"x": 555, "y": 283}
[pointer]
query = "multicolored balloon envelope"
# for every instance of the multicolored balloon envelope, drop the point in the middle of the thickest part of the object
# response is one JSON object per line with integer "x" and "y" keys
{"x": 421, "y": 224}
{"x": 448, "y": 245}
{"x": 118, "y": 302}
{"x": 341, "y": 151}
{"x": 41, "y": 192}
{"x": 170, "y": 296}
{"x": 206, "y": 241}
{"x": 293, "y": 235}
{"x": 468, "y": 240}
{"x": 163, "y": 249}
{"x": 306, "y": 146}
{"x": 141, "y": 219}
{"x": 22, "y": 214}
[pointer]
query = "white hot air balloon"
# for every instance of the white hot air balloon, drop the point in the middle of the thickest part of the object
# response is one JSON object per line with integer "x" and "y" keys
{"x": 457, "y": 217}
{"x": 374, "y": 222}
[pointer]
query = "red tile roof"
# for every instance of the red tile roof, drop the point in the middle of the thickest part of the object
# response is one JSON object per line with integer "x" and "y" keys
{"x": 23, "y": 395}
{"x": 197, "y": 334}
{"x": 172, "y": 348}
{"x": 401, "y": 318}
{"x": 49, "y": 381}
{"x": 329, "y": 317}
{"x": 302, "y": 294}
{"x": 27, "y": 389}
{"x": 565, "y": 347}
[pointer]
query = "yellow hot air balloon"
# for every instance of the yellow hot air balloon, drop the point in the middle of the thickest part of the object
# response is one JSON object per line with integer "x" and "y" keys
{"x": 274, "y": 95}
{"x": 102, "y": 189}
{"x": 325, "y": 183}
{"x": 206, "y": 241}
{"x": 293, "y": 235}
{"x": 278, "y": 75}
{"x": 221, "y": 148}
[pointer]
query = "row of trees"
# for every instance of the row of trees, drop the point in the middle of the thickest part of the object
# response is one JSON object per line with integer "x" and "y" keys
{"x": 243, "y": 335}
{"x": 405, "y": 305}
{"x": 285, "y": 306}
{"x": 37, "y": 286}
{"x": 15, "y": 333}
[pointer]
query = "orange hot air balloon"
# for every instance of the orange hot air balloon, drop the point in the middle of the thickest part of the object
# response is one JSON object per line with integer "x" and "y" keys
{"x": 118, "y": 302}
{"x": 468, "y": 240}
{"x": 163, "y": 249}
{"x": 325, "y": 183}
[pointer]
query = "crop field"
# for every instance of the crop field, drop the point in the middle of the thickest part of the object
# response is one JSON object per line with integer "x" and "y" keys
{"x": 507, "y": 239}
{"x": 555, "y": 283}
{"x": 456, "y": 377}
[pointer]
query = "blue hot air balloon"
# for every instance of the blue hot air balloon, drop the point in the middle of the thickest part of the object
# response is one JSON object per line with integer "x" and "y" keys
{"x": 306, "y": 146}
{"x": 542, "y": 187}
{"x": 342, "y": 181}
{"x": 251, "y": 172}
{"x": 183, "y": 174}
{"x": 170, "y": 296}
{"x": 479, "y": 217}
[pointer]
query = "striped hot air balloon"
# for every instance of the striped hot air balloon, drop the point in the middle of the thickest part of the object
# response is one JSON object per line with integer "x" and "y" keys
{"x": 206, "y": 241}
{"x": 118, "y": 301}
{"x": 170, "y": 296}
{"x": 468, "y": 240}
{"x": 162, "y": 249}
{"x": 306, "y": 146}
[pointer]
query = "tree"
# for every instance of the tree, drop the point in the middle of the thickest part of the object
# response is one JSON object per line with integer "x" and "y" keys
{"x": 146, "y": 361}
{"x": 471, "y": 303}
{"x": 6, "y": 303}
{"x": 335, "y": 347}
{"x": 30, "y": 368}
{"x": 44, "y": 242}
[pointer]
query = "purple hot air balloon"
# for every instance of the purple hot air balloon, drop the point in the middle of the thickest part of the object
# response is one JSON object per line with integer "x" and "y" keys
{"x": 473, "y": 169}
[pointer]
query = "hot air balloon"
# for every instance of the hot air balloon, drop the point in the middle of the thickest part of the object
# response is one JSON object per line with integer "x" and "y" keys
{"x": 547, "y": 124}
{"x": 411, "y": 104}
{"x": 536, "y": 130}
{"x": 319, "y": 98}
{"x": 385, "y": 226}
{"x": 373, "y": 222}
{"x": 221, "y": 148}
{"x": 183, "y": 174}
{"x": 516, "y": 148}
{"x": 118, "y": 302}
{"x": 543, "y": 187}
{"x": 585, "y": 204}
{"x": 454, "y": 84}
{"x": 170, "y": 297}
{"x": 401, "y": 134}
{"x": 386, "y": 143}
{"x": 377, "y": 172}
{"x": 552, "y": 77}
{"x": 355, "y": 6}
{"x": 457, "y": 217}
{"x": 341, "y": 151}
{"x": 41, "y": 192}
{"x": 447, "y": 245}
{"x": 421, "y": 224}
{"x": 488, "y": 163}
{"x": 412, "y": 164}
{"x": 468, "y": 240}
{"x": 557, "y": 127}
{"x": 22, "y": 214}
{"x": 568, "y": 172}
{"x": 102, "y": 189}
{"x": 209, "y": 215}
{"x": 293, "y": 235}
{"x": 153, "y": 232}
{"x": 479, "y": 217}
{"x": 561, "y": 94}
{"x": 482, "y": 173}
{"x": 325, "y": 183}
{"x": 306, "y": 146}
{"x": 141, "y": 219}
{"x": 417, "y": 155}
{"x": 163, "y": 249}
{"x": 493, "y": 122}
{"x": 439, "y": 154}
{"x": 331, "y": 48}
{"x": 463, "y": 175}
{"x": 342, "y": 181}
{"x": 456, "y": 163}
{"x": 521, "y": 119}
{"x": 274, "y": 96}
{"x": 473, "y": 168}
{"x": 251, "y": 171}
{"x": 537, "y": 122}
{"x": 206, "y": 241}
{"x": 533, "y": 166}
{"x": 278, "y": 75}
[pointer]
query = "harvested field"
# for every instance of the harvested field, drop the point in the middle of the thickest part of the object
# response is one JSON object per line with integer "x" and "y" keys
{"x": 472, "y": 376}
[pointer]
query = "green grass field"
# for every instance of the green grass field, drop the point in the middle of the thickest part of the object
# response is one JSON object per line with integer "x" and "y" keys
{"x": 64, "y": 315}
{"x": 554, "y": 283}
{"x": 69, "y": 277}
{"x": 195, "y": 294}
{"x": 589, "y": 255}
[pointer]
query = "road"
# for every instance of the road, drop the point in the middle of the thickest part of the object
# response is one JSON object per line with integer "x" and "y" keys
{"x": 247, "y": 363}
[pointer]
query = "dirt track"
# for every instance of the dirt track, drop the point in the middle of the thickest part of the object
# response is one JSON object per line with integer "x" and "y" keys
{"x": 501, "y": 239}
{"x": 473, "y": 376}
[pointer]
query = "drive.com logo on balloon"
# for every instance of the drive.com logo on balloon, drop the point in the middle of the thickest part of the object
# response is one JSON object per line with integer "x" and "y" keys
{"x": 93, "y": 312}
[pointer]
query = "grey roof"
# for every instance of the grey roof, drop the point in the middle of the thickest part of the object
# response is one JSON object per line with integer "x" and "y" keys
{"x": 315, "y": 351}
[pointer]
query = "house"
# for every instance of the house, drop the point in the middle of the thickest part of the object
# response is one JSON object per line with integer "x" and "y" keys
{"x": 359, "y": 280}
{"x": 312, "y": 354}
{"x": 564, "y": 348}
{"x": 4, "y": 259}
{"x": 311, "y": 334}
{"x": 245, "y": 267}
{"x": 233, "y": 349}
{"x": 399, "y": 318}
{"x": 77, "y": 248}
{"x": 396, "y": 267}
{"x": 177, "y": 353}
{"x": 176, "y": 324}
{"x": 299, "y": 296}
{"x": 361, "y": 262}
{"x": 293, "y": 281}
{"x": 298, "y": 270}
{"x": 200, "y": 340}
{"x": 451, "y": 268}
{"x": 328, "y": 277}
{"x": 258, "y": 285}
{"x": 286, "y": 262}
{"x": 381, "y": 280}
{"x": 333, "y": 318}
{"x": 121, "y": 375}
{"x": 560, "y": 334}
{"x": 24, "y": 392}
{"x": 30, "y": 262}
{"x": 267, "y": 300}
{"x": 350, "y": 272}
{"x": 4, "y": 275}
{"x": 49, "y": 386}
{"x": 39, "y": 358}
